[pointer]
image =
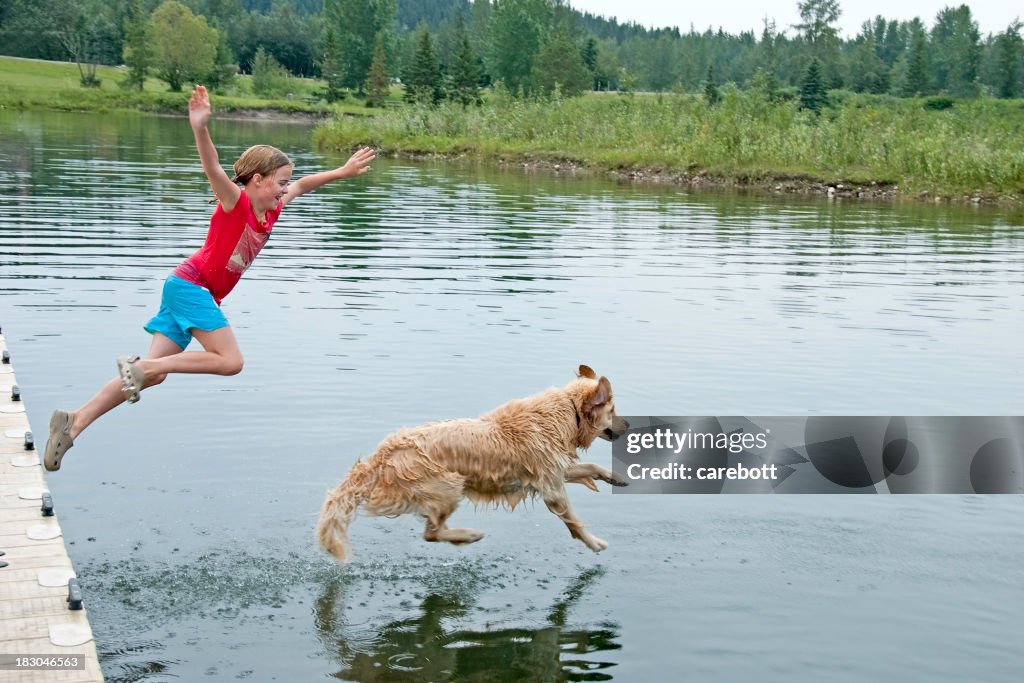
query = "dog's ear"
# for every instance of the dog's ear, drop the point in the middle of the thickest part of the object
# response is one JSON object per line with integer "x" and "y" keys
{"x": 601, "y": 394}
{"x": 585, "y": 371}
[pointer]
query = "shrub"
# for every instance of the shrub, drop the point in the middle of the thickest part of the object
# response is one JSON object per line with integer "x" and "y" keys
{"x": 938, "y": 103}
{"x": 269, "y": 79}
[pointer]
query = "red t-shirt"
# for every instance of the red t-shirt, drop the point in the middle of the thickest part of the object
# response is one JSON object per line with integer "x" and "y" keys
{"x": 234, "y": 239}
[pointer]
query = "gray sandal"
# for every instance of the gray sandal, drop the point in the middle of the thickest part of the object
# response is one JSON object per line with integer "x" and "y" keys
{"x": 132, "y": 378}
{"x": 59, "y": 440}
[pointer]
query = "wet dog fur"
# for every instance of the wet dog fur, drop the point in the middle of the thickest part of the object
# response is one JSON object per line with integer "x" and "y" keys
{"x": 522, "y": 449}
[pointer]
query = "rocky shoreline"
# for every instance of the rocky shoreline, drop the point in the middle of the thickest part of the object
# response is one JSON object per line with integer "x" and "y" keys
{"x": 779, "y": 184}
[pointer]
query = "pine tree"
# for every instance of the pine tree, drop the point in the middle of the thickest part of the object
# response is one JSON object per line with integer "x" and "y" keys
{"x": 711, "y": 94}
{"x": 356, "y": 24}
{"x": 464, "y": 74}
{"x": 269, "y": 78}
{"x": 766, "y": 84}
{"x": 223, "y": 69}
{"x": 590, "y": 54}
{"x": 479, "y": 22}
{"x": 377, "y": 81}
{"x": 422, "y": 78}
{"x": 331, "y": 69}
{"x": 819, "y": 30}
{"x": 765, "y": 78}
{"x": 1009, "y": 51}
{"x": 915, "y": 79}
{"x": 812, "y": 88}
{"x": 868, "y": 72}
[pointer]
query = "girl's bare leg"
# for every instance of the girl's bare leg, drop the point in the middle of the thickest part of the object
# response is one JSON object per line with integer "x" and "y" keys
{"x": 109, "y": 396}
{"x": 221, "y": 356}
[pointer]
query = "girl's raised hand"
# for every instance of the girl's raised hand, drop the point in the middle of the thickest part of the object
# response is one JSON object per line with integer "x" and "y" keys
{"x": 358, "y": 163}
{"x": 199, "y": 111}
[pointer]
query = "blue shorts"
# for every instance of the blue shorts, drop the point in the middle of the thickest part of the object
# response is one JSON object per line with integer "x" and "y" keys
{"x": 183, "y": 307}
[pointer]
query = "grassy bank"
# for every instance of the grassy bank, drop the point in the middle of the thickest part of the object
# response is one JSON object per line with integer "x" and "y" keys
{"x": 38, "y": 84}
{"x": 869, "y": 145}
{"x": 873, "y": 146}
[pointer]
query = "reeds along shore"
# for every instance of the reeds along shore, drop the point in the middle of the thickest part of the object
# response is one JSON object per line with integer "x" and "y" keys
{"x": 970, "y": 150}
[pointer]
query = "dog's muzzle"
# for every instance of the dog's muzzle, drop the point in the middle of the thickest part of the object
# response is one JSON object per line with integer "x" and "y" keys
{"x": 617, "y": 430}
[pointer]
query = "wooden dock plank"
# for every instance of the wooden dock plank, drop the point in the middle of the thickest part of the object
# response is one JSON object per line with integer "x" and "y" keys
{"x": 28, "y": 610}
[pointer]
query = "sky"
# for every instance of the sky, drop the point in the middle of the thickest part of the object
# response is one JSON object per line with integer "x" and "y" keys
{"x": 734, "y": 16}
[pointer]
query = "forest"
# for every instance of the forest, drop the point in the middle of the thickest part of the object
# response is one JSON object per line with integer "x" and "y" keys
{"x": 455, "y": 49}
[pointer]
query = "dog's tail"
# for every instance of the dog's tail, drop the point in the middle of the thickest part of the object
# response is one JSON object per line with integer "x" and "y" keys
{"x": 339, "y": 509}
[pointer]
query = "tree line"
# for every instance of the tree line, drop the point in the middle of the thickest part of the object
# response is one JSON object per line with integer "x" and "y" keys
{"x": 453, "y": 48}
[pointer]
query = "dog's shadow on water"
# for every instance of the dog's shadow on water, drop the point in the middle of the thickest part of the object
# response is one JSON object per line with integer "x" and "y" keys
{"x": 425, "y": 647}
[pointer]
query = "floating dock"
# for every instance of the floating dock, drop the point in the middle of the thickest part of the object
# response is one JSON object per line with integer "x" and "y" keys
{"x": 44, "y": 628}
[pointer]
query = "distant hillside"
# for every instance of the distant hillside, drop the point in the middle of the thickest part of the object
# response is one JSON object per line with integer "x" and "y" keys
{"x": 432, "y": 12}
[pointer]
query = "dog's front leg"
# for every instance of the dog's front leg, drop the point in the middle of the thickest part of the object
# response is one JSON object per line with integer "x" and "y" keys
{"x": 558, "y": 503}
{"x": 586, "y": 472}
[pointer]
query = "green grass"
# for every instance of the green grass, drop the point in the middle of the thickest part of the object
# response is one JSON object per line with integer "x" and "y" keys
{"x": 969, "y": 150}
{"x": 38, "y": 84}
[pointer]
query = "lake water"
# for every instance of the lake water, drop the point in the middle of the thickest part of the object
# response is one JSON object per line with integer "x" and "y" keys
{"x": 420, "y": 292}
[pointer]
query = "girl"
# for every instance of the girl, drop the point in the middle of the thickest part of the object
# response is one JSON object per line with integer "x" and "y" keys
{"x": 190, "y": 305}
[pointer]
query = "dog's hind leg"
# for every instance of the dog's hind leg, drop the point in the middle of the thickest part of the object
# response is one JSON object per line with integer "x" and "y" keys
{"x": 558, "y": 503}
{"x": 586, "y": 472}
{"x": 437, "y": 501}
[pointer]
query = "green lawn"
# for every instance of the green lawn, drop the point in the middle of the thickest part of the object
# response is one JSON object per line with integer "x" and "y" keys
{"x": 33, "y": 83}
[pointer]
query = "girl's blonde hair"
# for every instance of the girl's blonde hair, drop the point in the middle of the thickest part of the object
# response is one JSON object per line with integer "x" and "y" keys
{"x": 261, "y": 159}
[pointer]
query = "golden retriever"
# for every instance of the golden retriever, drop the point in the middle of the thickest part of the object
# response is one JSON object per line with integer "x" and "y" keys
{"x": 522, "y": 449}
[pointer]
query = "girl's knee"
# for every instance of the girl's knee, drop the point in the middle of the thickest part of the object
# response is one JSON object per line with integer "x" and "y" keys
{"x": 233, "y": 365}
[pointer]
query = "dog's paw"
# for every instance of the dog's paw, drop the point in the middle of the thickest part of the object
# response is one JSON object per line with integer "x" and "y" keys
{"x": 618, "y": 482}
{"x": 596, "y": 544}
{"x": 464, "y": 536}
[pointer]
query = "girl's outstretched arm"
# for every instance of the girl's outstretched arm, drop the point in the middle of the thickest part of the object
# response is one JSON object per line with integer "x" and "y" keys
{"x": 356, "y": 165}
{"x": 199, "y": 113}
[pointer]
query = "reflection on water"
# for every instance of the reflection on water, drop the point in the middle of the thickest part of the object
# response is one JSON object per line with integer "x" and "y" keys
{"x": 424, "y": 647}
{"x": 422, "y": 292}
{"x": 402, "y": 619}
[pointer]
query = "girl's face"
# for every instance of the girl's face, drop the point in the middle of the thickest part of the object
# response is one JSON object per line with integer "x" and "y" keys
{"x": 266, "y": 191}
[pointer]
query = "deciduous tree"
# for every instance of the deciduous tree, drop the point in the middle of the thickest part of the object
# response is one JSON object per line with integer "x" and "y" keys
{"x": 956, "y": 51}
{"x": 559, "y": 64}
{"x": 1009, "y": 53}
{"x": 516, "y": 31}
{"x": 138, "y": 50}
{"x": 184, "y": 46}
